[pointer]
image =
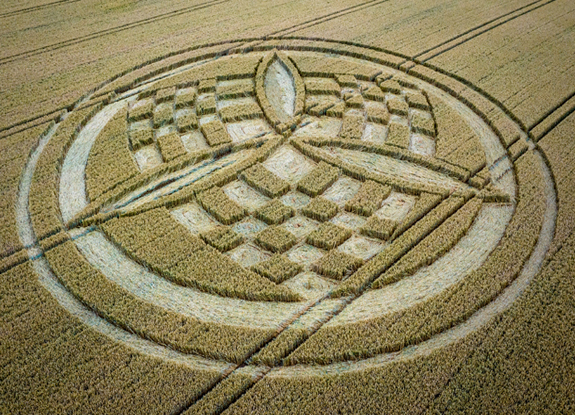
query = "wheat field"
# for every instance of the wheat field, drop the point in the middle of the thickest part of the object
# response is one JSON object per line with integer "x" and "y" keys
{"x": 300, "y": 207}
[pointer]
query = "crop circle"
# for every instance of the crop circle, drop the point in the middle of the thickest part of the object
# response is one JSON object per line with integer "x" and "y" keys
{"x": 289, "y": 205}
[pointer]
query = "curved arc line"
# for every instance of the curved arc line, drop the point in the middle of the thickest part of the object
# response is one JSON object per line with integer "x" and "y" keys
{"x": 271, "y": 114}
{"x": 503, "y": 301}
{"x": 538, "y": 245}
{"x": 69, "y": 302}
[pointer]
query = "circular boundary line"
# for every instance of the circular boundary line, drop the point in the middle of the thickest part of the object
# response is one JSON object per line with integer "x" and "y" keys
{"x": 33, "y": 251}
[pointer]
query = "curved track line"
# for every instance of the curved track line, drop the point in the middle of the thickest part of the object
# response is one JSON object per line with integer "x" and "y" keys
{"x": 69, "y": 302}
{"x": 482, "y": 317}
{"x": 503, "y": 302}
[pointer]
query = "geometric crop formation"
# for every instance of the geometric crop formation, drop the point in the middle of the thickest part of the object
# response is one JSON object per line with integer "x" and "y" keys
{"x": 292, "y": 215}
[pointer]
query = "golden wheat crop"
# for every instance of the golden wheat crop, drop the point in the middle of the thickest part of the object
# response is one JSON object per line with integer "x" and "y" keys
{"x": 368, "y": 199}
{"x": 353, "y": 125}
{"x": 44, "y": 204}
{"x": 182, "y": 332}
{"x": 278, "y": 268}
{"x": 239, "y": 112}
{"x": 318, "y": 180}
{"x": 170, "y": 146}
{"x": 222, "y": 238}
{"x": 110, "y": 161}
{"x": 186, "y": 121}
{"x": 399, "y": 247}
{"x": 336, "y": 264}
{"x": 398, "y": 135}
{"x": 11, "y": 151}
{"x": 381, "y": 228}
{"x": 453, "y": 304}
{"x": 275, "y": 239}
{"x": 320, "y": 209}
{"x": 141, "y": 137}
{"x": 328, "y": 236}
{"x": 437, "y": 243}
{"x": 189, "y": 261}
{"x": 239, "y": 89}
{"x": 496, "y": 338}
{"x": 390, "y": 85}
{"x": 185, "y": 97}
{"x": 377, "y": 113}
{"x": 215, "y": 133}
{"x": 275, "y": 212}
{"x": 322, "y": 86}
{"x": 221, "y": 206}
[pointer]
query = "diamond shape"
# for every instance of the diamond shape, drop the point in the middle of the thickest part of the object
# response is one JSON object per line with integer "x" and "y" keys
{"x": 396, "y": 206}
{"x": 361, "y": 247}
{"x": 305, "y": 254}
{"x": 300, "y": 226}
{"x": 193, "y": 217}
{"x": 328, "y": 236}
{"x": 374, "y": 133}
{"x": 148, "y": 157}
{"x": 275, "y": 212}
{"x": 244, "y": 195}
{"x": 336, "y": 264}
{"x": 320, "y": 209}
{"x": 422, "y": 145}
{"x": 194, "y": 141}
{"x": 342, "y": 190}
{"x": 244, "y": 130}
{"x": 349, "y": 220}
{"x": 289, "y": 164}
{"x": 376, "y": 227}
{"x": 278, "y": 268}
{"x": 247, "y": 255}
{"x": 275, "y": 239}
{"x": 249, "y": 226}
{"x": 309, "y": 285}
{"x": 222, "y": 238}
{"x": 296, "y": 200}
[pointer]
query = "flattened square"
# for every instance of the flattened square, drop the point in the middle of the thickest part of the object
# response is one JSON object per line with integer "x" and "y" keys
{"x": 289, "y": 164}
{"x": 244, "y": 195}
{"x": 361, "y": 247}
{"x": 300, "y": 226}
{"x": 248, "y": 255}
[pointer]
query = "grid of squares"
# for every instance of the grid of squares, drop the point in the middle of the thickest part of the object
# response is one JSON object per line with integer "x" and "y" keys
{"x": 292, "y": 231}
{"x": 368, "y": 109}
{"x": 193, "y": 118}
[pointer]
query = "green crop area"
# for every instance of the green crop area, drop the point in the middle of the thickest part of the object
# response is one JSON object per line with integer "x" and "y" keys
{"x": 302, "y": 207}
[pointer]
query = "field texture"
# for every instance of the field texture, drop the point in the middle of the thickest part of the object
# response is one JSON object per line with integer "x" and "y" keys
{"x": 301, "y": 207}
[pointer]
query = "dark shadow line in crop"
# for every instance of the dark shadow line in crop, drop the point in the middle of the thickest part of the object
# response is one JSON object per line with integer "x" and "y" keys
{"x": 474, "y": 29}
{"x": 113, "y": 30}
{"x": 35, "y": 8}
{"x": 484, "y": 31}
{"x": 480, "y": 91}
{"x": 551, "y": 112}
{"x": 328, "y": 17}
{"x": 322, "y": 323}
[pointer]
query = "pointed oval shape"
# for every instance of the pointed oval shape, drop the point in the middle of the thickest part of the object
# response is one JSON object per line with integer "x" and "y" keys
{"x": 280, "y": 91}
